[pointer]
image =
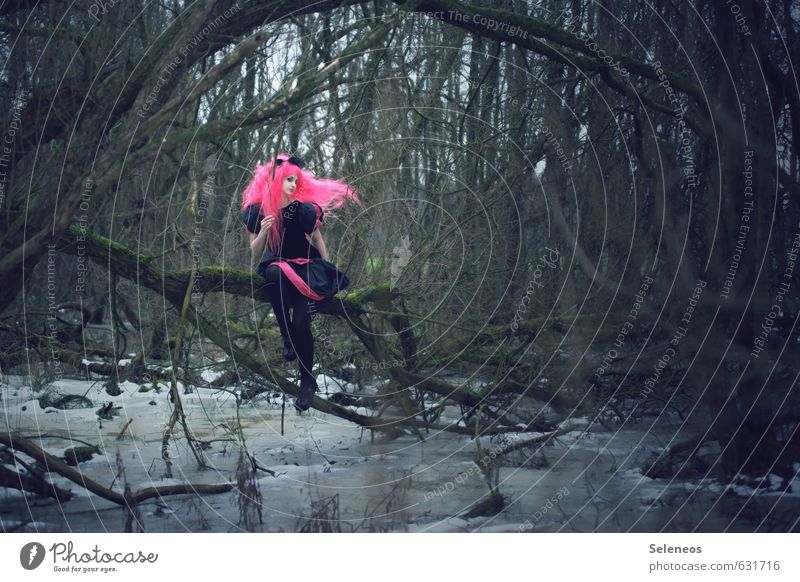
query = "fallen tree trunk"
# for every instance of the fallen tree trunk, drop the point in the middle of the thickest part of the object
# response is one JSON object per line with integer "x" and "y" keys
{"x": 14, "y": 480}
{"x": 350, "y": 306}
{"x": 172, "y": 285}
{"x": 56, "y": 465}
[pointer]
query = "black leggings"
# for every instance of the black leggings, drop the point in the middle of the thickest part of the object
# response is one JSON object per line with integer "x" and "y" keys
{"x": 296, "y": 330}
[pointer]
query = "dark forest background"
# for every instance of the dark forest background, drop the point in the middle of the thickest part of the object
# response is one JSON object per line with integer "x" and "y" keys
{"x": 589, "y": 204}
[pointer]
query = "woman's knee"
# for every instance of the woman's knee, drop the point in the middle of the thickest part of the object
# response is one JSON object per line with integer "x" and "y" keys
{"x": 273, "y": 274}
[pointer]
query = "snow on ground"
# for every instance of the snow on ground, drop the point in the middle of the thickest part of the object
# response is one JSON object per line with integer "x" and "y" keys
{"x": 210, "y": 375}
{"x": 580, "y": 482}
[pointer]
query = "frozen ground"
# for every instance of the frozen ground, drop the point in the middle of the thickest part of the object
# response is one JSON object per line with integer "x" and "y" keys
{"x": 582, "y": 482}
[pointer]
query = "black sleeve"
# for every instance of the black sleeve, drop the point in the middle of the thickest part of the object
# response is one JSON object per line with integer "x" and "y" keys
{"x": 320, "y": 213}
{"x": 252, "y": 217}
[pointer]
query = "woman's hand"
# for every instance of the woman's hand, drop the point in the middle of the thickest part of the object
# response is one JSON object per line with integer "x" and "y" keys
{"x": 259, "y": 241}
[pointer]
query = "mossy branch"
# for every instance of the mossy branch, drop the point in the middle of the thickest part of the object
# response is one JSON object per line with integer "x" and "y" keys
{"x": 172, "y": 286}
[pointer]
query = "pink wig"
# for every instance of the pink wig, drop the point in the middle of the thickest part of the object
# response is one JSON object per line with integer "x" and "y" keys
{"x": 266, "y": 189}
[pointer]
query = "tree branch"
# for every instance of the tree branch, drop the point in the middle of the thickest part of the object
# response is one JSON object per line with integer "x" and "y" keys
{"x": 56, "y": 465}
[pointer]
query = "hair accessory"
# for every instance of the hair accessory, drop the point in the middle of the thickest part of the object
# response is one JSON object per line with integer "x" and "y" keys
{"x": 297, "y": 161}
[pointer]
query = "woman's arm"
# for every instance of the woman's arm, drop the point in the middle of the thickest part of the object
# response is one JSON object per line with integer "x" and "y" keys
{"x": 259, "y": 241}
{"x": 319, "y": 243}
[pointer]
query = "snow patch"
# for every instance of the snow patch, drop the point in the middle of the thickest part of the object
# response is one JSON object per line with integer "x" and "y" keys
{"x": 210, "y": 375}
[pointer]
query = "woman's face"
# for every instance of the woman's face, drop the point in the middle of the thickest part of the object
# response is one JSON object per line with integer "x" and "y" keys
{"x": 289, "y": 185}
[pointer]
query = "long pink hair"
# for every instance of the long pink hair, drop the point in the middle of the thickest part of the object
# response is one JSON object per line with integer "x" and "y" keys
{"x": 266, "y": 189}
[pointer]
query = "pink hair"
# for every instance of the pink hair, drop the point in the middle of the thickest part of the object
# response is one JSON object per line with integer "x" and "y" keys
{"x": 266, "y": 189}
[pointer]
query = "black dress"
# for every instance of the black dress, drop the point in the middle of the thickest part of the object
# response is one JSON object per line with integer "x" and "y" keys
{"x": 299, "y": 260}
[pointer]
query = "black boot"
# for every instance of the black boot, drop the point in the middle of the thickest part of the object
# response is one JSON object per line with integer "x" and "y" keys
{"x": 308, "y": 386}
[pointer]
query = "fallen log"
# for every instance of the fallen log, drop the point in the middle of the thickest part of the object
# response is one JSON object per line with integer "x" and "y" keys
{"x": 56, "y": 465}
{"x": 172, "y": 286}
{"x": 14, "y": 480}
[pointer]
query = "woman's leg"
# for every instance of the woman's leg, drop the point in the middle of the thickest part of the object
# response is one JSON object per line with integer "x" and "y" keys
{"x": 302, "y": 338}
{"x": 282, "y": 295}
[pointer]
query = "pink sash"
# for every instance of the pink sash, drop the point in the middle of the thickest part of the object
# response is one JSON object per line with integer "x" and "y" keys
{"x": 290, "y": 273}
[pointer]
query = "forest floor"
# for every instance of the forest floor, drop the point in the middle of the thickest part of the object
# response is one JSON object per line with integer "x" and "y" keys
{"x": 332, "y": 470}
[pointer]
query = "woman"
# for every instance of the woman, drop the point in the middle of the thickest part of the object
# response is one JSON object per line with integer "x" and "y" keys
{"x": 283, "y": 208}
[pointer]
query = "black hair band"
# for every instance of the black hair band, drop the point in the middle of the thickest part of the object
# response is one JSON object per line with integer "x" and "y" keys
{"x": 292, "y": 160}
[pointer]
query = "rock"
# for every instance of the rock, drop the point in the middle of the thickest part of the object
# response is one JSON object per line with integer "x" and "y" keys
{"x": 63, "y": 401}
{"x": 490, "y": 505}
{"x": 76, "y": 455}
